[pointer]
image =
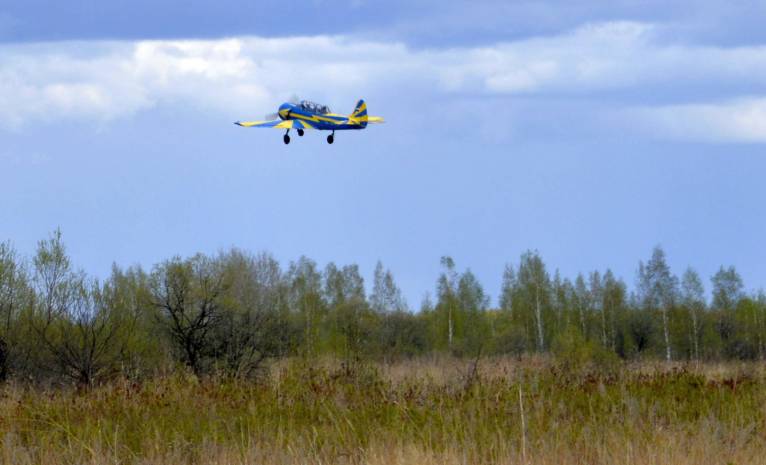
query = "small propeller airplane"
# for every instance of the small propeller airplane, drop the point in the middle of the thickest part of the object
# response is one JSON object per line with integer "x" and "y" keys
{"x": 309, "y": 115}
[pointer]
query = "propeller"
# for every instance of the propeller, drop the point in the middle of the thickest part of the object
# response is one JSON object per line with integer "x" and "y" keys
{"x": 294, "y": 99}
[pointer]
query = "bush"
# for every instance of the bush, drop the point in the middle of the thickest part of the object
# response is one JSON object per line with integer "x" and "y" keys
{"x": 574, "y": 352}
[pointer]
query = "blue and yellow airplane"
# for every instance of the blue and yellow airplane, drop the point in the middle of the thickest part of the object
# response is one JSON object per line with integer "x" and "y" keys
{"x": 309, "y": 115}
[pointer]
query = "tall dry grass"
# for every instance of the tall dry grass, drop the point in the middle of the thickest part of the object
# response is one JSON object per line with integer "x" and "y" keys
{"x": 427, "y": 411}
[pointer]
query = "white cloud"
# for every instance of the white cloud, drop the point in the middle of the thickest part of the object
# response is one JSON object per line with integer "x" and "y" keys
{"x": 245, "y": 77}
{"x": 47, "y": 82}
{"x": 742, "y": 120}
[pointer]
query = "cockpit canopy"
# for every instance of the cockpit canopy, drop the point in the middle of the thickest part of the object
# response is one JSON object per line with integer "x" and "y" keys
{"x": 313, "y": 107}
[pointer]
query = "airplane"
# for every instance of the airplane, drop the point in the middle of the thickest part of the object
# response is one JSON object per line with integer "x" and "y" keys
{"x": 309, "y": 115}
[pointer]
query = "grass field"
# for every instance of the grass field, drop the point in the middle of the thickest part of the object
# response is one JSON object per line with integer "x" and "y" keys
{"x": 425, "y": 411}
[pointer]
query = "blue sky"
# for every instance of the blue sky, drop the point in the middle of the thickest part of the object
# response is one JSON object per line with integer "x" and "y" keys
{"x": 590, "y": 131}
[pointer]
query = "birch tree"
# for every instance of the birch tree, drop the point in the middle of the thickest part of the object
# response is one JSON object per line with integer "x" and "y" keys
{"x": 613, "y": 305}
{"x": 447, "y": 293}
{"x": 727, "y": 292}
{"x": 348, "y": 310}
{"x": 583, "y": 303}
{"x": 693, "y": 302}
{"x": 727, "y": 289}
{"x": 306, "y": 300}
{"x": 386, "y": 297}
{"x": 473, "y": 303}
{"x": 596, "y": 293}
{"x": 534, "y": 284}
{"x": 657, "y": 290}
{"x": 83, "y": 335}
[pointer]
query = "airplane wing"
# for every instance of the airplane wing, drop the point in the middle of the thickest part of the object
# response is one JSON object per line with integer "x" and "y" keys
{"x": 375, "y": 119}
{"x": 277, "y": 124}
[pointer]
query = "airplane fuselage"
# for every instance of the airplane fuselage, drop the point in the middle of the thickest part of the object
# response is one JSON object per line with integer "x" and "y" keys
{"x": 326, "y": 121}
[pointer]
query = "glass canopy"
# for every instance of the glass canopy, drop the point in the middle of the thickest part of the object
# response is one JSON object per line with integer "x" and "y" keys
{"x": 313, "y": 107}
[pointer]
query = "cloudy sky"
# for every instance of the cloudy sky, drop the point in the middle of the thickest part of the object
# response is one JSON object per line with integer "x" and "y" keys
{"x": 590, "y": 131}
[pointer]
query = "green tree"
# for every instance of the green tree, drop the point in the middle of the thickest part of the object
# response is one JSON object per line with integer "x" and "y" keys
{"x": 562, "y": 297}
{"x": 747, "y": 343}
{"x": 759, "y": 326}
{"x": 189, "y": 295}
{"x": 584, "y": 304}
{"x": 14, "y": 297}
{"x": 534, "y": 291}
{"x": 460, "y": 308}
{"x": 596, "y": 293}
{"x": 254, "y": 321}
{"x": 402, "y": 334}
{"x": 349, "y": 313}
{"x": 126, "y": 292}
{"x": 727, "y": 293}
{"x": 657, "y": 289}
{"x": 472, "y": 304}
{"x": 727, "y": 289}
{"x": 306, "y": 301}
{"x": 693, "y": 303}
{"x": 614, "y": 293}
{"x": 84, "y": 336}
{"x": 398, "y": 332}
{"x": 447, "y": 305}
{"x": 386, "y": 297}
{"x": 511, "y": 335}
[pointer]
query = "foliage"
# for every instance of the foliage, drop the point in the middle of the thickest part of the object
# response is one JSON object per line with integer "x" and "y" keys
{"x": 233, "y": 313}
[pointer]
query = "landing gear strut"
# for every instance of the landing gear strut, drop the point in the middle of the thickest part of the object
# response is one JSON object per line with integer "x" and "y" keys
{"x": 331, "y": 138}
{"x": 286, "y": 137}
{"x": 300, "y": 132}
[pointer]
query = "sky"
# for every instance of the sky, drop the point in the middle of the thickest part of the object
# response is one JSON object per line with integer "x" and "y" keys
{"x": 589, "y": 131}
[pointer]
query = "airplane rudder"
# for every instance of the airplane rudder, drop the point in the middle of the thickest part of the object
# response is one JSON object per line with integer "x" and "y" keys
{"x": 360, "y": 108}
{"x": 360, "y": 113}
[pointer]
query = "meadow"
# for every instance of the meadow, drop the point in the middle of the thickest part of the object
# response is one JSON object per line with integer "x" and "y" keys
{"x": 429, "y": 410}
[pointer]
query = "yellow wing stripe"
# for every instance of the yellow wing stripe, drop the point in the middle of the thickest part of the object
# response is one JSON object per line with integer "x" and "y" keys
{"x": 250, "y": 124}
{"x": 277, "y": 124}
{"x": 316, "y": 119}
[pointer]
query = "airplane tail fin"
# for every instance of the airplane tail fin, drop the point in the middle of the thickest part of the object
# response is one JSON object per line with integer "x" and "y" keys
{"x": 360, "y": 113}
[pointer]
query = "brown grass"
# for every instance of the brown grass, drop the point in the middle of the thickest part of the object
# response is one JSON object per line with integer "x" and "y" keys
{"x": 424, "y": 411}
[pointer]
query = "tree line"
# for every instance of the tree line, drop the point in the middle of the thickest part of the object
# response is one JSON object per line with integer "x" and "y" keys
{"x": 229, "y": 313}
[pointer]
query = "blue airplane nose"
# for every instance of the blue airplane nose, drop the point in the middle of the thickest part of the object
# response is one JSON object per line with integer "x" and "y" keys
{"x": 284, "y": 110}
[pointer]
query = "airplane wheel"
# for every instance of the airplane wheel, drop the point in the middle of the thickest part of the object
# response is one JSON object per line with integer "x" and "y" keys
{"x": 286, "y": 138}
{"x": 330, "y": 139}
{"x": 300, "y": 132}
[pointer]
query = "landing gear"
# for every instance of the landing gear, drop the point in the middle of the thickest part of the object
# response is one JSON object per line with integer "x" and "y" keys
{"x": 286, "y": 137}
{"x": 300, "y": 132}
{"x": 331, "y": 138}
